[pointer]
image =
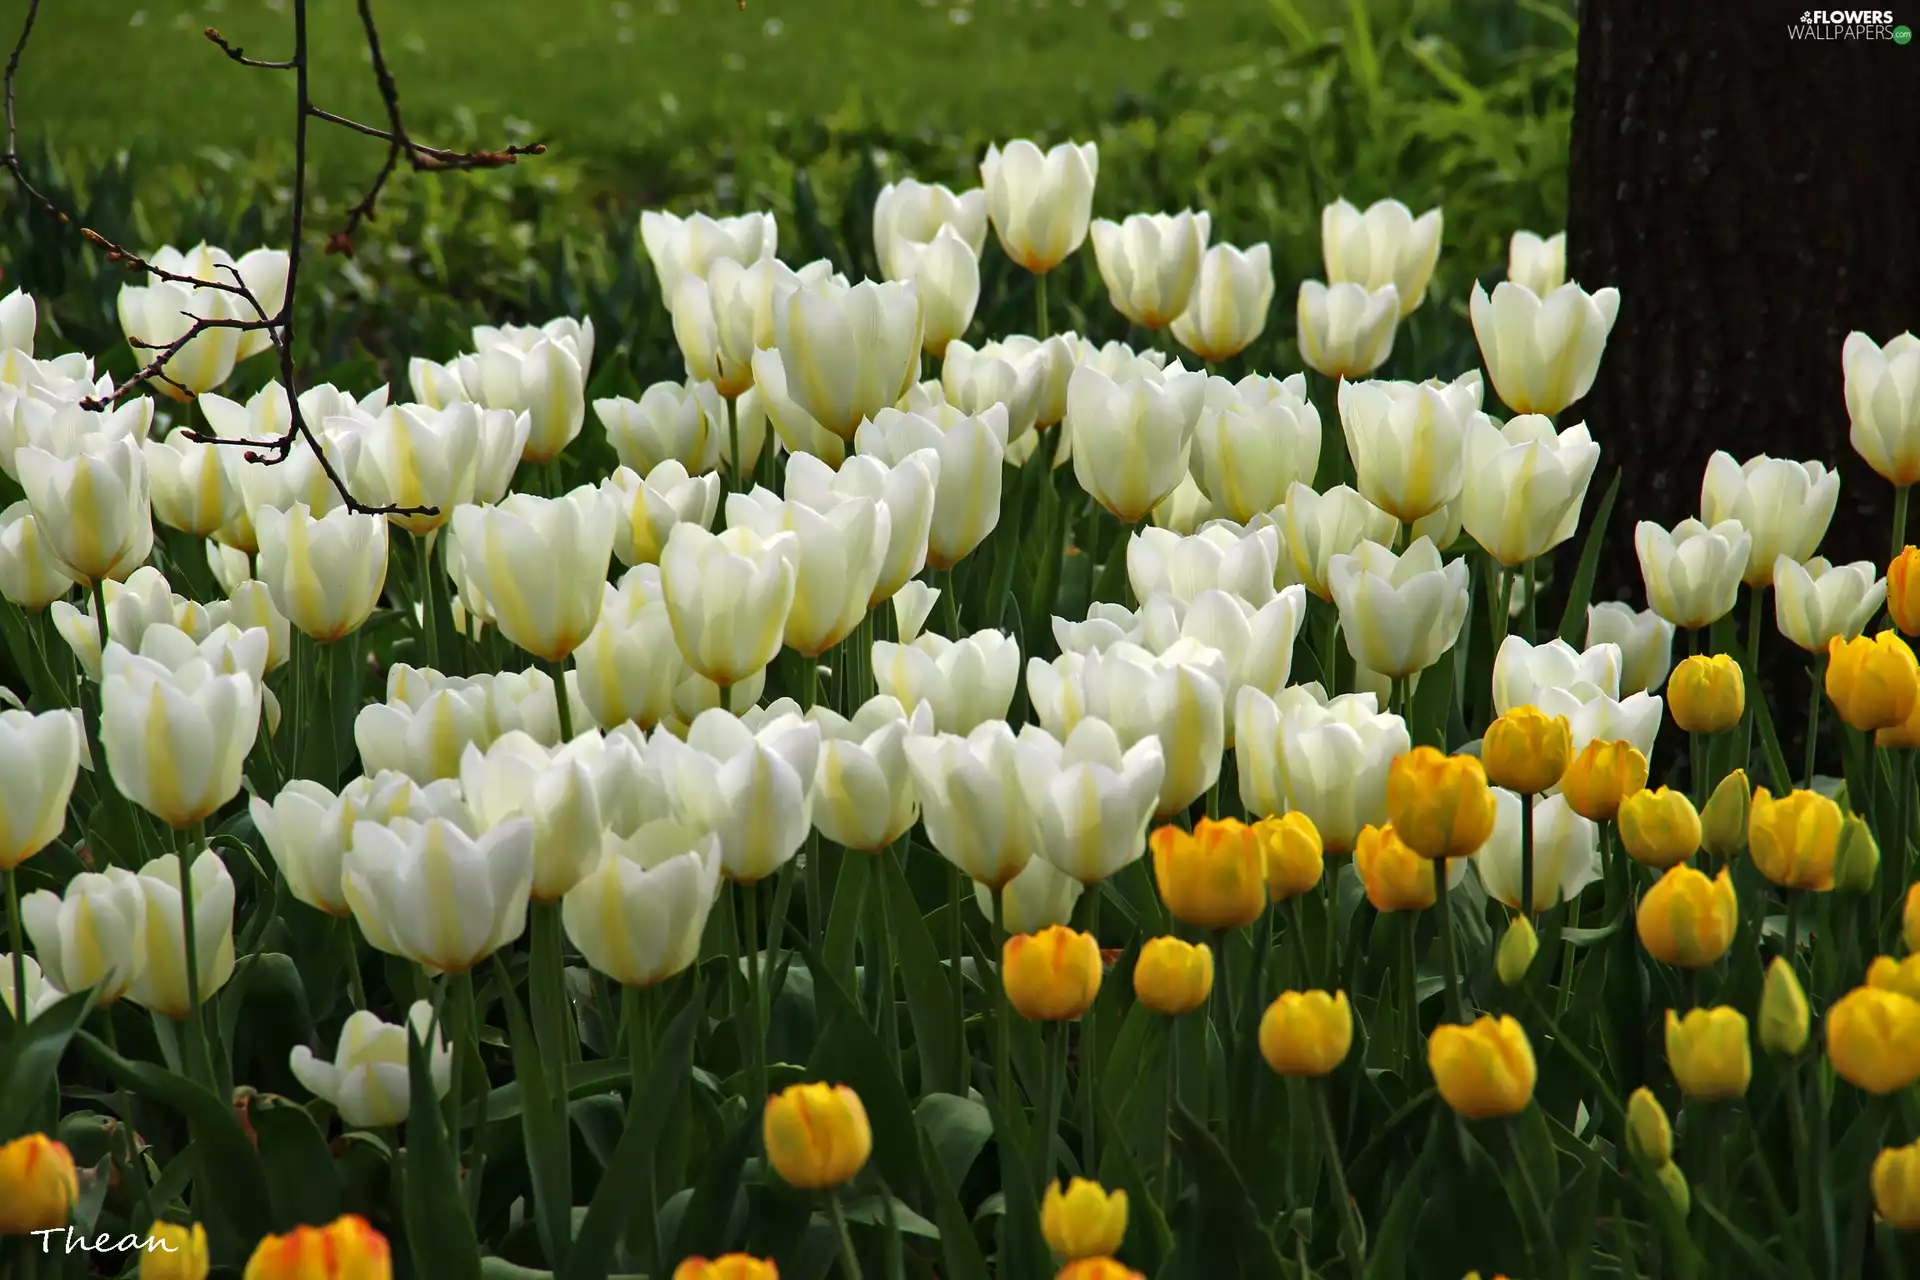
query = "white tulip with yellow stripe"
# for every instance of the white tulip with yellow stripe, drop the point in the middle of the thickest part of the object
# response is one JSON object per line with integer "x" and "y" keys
{"x": 847, "y": 351}
{"x": 1150, "y": 262}
{"x": 1399, "y": 613}
{"x": 728, "y": 596}
{"x": 629, "y": 667}
{"x": 751, "y": 785}
{"x": 545, "y": 381}
{"x": 1320, "y": 526}
{"x": 967, "y": 682}
{"x": 434, "y": 893}
{"x": 971, "y": 801}
{"x": 970, "y": 449}
{"x": 1221, "y": 557}
{"x": 1346, "y": 330}
{"x": 682, "y": 247}
{"x": 1040, "y": 202}
{"x": 161, "y": 984}
{"x": 424, "y": 732}
{"x": 176, "y": 738}
{"x": 681, "y": 422}
{"x": 325, "y": 574}
{"x": 517, "y": 777}
{"x": 946, "y": 275}
{"x": 1228, "y": 308}
{"x": 1255, "y": 439}
{"x": 1090, "y": 800}
{"x": 90, "y": 503}
{"x": 368, "y": 1079}
{"x": 1408, "y": 443}
{"x": 92, "y": 934}
{"x": 1785, "y": 507}
{"x": 1177, "y": 698}
{"x": 29, "y": 575}
{"x": 1040, "y": 897}
{"x": 1816, "y": 602}
{"x": 906, "y": 492}
{"x": 911, "y": 214}
{"x": 1257, "y": 643}
{"x": 639, "y": 914}
{"x": 144, "y": 600}
{"x": 413, "y": 456}
{"x": 249, "y": 606}
{"x": 307, "y": 828}
{"x": 1542, "y": 353}
{"x": 1524, "y": 485}
{"x": 1131, "y": 437}
{"x": 647, "y": 507}
{"x": 541, "y": 566}
{"x": 863, "y": 797}
{"x": 841, "y": 552}
{"x": 39, "y": 760}
{"x": 1692, "y": 572}
{"x": 722, "y": 318}
{"x": 1536, "y": 262}
{"x": 1326, "y": 757}
{"x": 195, "y": 486}
{"x": 1384, "y": 245}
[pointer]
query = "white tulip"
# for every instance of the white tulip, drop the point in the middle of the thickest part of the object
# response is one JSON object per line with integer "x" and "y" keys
{"x": 728, "y": 596}
{"x": 1058, "y": 692}
{"x": 630, "y": 787}
{"x": 541, "y": 566}
{"x": 1542, "y": 353}
{"x": 307, "y": 828}
{"x": 683, "y": 423}
{"x": 144, "y": 600}
{"x": 863, "y": 795}
{"x": 1408, "y": 444}
{"x": 905, "y": 492}
{"x": 646, "y": 508}
{"x": 1090, "y": 801}
{"x": 1150, "y": 263}
{"x": 1522, "y": 672}
{"x": 1784, "y": 506}
{"x": 160, "y": 984}
{"x": 1040, "y": 202}
{"x": 434, "y": 893}
{"x": 847, "y": 352}
{"x": 90, "y": 506}
{"x": 1106, "y": 625}
{"x": 971, "y": 448}
{"x": 1321, "y": 526}
{"x": 968, "y": 682}
{"x": 946, "y": 275}
{"x": 326, "y": 574}
{"x": 57, "y": 424}
{"x": 639, "y": 914}
{"x": 1220, "y": 557}
{"x": 1524, "y": 485}
{"x": 1399, "y": 613}
{"x": 1027, "y": 375}
{"x": 29, "y": 575}
{"x": 176, "y": 738}
{"x": 1817, "y": 602}
{"x": 1176, "y": 698}
{"x": 195, "y": 486}
{"x": 36, "y": 995}
{"x": 414, "y": 456}
{"x": 1131, "y": 438}
{"x": 768, "y": 402}
{"x": 517, "y": 777}
{"x": 1645, "y": 640}
{"x": 369, "y": 1081}
{"x": 1883, "y": 403}
{"x": 972, "y": 802}
{"x": 1601, "y": 717}
{"x": 279, "y": 481}
{"x": 841, "y": 553}
{"x": 562, "y": 329}
{"x": 721, "y": 319}
{"x": 1257, "y": 643}
{"x": 912, "y": 605}
{"x": 545, "y": 381}
{"x": 155, "y": 316}
{"x": 1040, "y": 897}
{"x": 424, "y": 734}
{"x": 682, "y": 247}
{"x": 629, "y": 666}
{"x": 752, "y": 787}
{"x": 1346, "y": 330}
{"x": 912, "y": 214}
{"x": 94, "y": 933}
{"x": 1326, "y": 757}
{"x": 1384, "y": 245}
{"x": 1566, "y": 853}
{"x": 1538, "y": 264}
{"x": 1692, "y": 574}
{"x": 1186, "y": 510}
{"x": 1254, "y": 439}
{"x": 18, "y": 318}
{"x": 1228, "y": 308}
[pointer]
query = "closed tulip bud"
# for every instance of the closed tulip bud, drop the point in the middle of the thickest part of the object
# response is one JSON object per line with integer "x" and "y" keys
{"x": 1873, "y": 1039}
{"x": 38, "y": 1185}
{"x": 91, "y": 935}
{"x": 541, "y": 565}
{"x": 1896, "y": 1186}
{"x": 1439, "y": 804}
{"x": 1910, "y": 919}
{"x": 862, "y": 787}
{"x": 160, "y": 983}
{"x": 1794, "y": 840}
{"x": 1306, "y": 1033}
{"x": 39, "y": 761}
{"x": 970, "y": 449}
{"x": 1673, "y": 1181}
{"x": 1408, "y": 444}
{"x": 1173, "y": 977}
{"x": 176, "y": 738}
{"x": 30, "y": 576}
{"x": 817, "y": 1135}
{"x": 1883, "y": 401}
{"x": 1293, "y": 854}
{"x": 1526, "y": 750}
{"x": 1098, "y": 1269}
{"x": 1783, "y": 1011}
{"x": 367, "y": 1082}
{"x": 1706, "y": 694}
{"x": 1903, "y": 589}
{"x": 345, "y": 1249}
{"x": 437, "y": 895}
{"x": 174, "y": 1252}
{"x": 1399, "y": 613}
{"x": 1602, "y": 776}
{"x": 1659, "y": 827}
{"x": 1856, "y": 864}
{"x": 1692, "y": 574}
{"x": 1649, "y": 1133}
{"x": 1485, "y": 1070}
{"x": 1150, "y": 263}
{"x": 1394, "y": 876}
{"x": 846, "y": 351}
{"x": 638, "y": 915}
{"x": 1228, "y": 308}
{"x": 18, "y": 318}
{"x": 1254, "y": 440}
{"x": 1516, "y": 952}
{"x": 1215, "y": 877}
{"x": 1686, "y": 920}
{"x": 423, "y": 735}
{"x": 1384, "y": 245}
{"x": 842, "y": 550}
{"x": 1040, "y": 202}
{"x": 1709, "y": 1053}
{"x": 1053, "y": 975}
{"x": 1723, "y": 823}
{"x": 517, "y": 777}
{"x": 1084, "y": 1220}
{"x": 1060, "y": 779}
{"x": 1542, "y": 353}
{"x": 325, "y": 573}
{"x": 728, "y": 596}
{"x": 1321, "y": 527}
{"x": 1346, "y": 330}
{"x": 972, "y": 802}
{"x": 1873, "y": 683}
{"x": 1040, "y": 897}
{"x": 1818, "y": 603}
{"x": 1536, "y": 262}
{"x": 905, "y": 492}
{"x": 195, "y": 490}
{"x": 721, "y": 319}
{"x": 1566, "y": 853}
{"x": 1131, "y": 437}
{"x": 968, "y": 682}
{"x": 413, "y": 456}
{"x": 728, "y": 1266}
{"x": 1645, "y": 640}
{"x": 911, "y": 214}
{"x": 155, "y": 316}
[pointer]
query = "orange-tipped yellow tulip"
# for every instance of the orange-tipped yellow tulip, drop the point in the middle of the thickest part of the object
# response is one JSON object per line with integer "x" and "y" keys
{"x": 1295, "y": 857}
{"x": 1896, "y": 1183}
{"x": 1306, "y": 1033}
{"x": 1527, "y": 750}
{"x": 1659, "y": 827}
{"x": 347, "y": 1248}
{"x": 728, "y": 1266}
{"x": 1440, "y": 805}
{"x": 1706, "y": 694}
{"x": 1793, "y": 840}
{"x": 1687, "y": 920}
{"x": 177, "y": 1253}
{"x": 1172, "y": 976}
{"x": 1872, "y": 682}
{"x": 1215, "y": 877}
{"x": 1396, "y": 878}
{"x": 1083, "y": 1219}
{"x": 1053, "y": 975}
{"x": 1873, "y": 1039}
{"x": 38, "y": 1183}
{"x": 1485, "y": 1070}
{"x": 1098, "y": 1269}
{"x": 1903, "y": 591}
{"x": 817, "y": 1135}
{"x": 1910, "y": 919}
{"x": 1602, "y": 776}
{"x": 1709, "y": 1053}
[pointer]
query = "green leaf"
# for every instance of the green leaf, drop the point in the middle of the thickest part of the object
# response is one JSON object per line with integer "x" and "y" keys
{"x": 1393, "y": 1241}
{"x": 887, "y": 1212}
{"x": 1146, "y": 1224}
{"x": 1224, "y": 1231}
{"x": 303, "y": 1182}
{"x": 704, "y": 1221}
{"x": 30, "y": 1063}
{"x": 1023, "y": 1248}
{"x": 439, "y": 1232}
{"x": 1431, "y": 705}
{"x": 848, "y": 1052}
{"x": 614, "y": 1199}
{"x": 928, "y": 983}
{"x": 583, "y": 1080}
{"x": 843, "y": 918}
{"x": 956, "y": 1129}
{"x": 1573, "y": 619}
{"x": 543, "y": 1125}
{"x": 958, "y": 1247}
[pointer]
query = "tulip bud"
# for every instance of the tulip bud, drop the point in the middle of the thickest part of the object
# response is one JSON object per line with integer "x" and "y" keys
{"x": 1783, "y": 1011}
{"x": 1873, "y": 1039}
{"x": 1709, "y": 1053}
{"x": 1538, "y": 262}
{"x": 1706, "y": 694}
{"x": 1516, "y": 953}
{"x": 1294, "y": 856}
{"x": 1053, "y": 975}
{"x": 161, "y": 981}
{"x": 1795, "y": 840}
{"x": 1903, "y": 591}
{"x": 1602, "y": 776}
{"x": 1674, "y": 1182}
{"x": 1040, "y": 202}
{"x": 38, "y": 1184}
{"x": 40, "y": 761}
{"x": 1896, "y": 1186}
{"x": 1346, "y": 330}
{"x": 1306, "y": 1033}
{"x": 1542, "y": 353}
{"x": 1485, "y": 1070}
{"x": 1399, "y": 613}
{"x": 347, "y": 1248}
{"x": 1150, "y": 263}
{"x": 1872, "y": 683}
{"x": 1440, "y": 805}
{"x": 1649, "y": 1133}
{"x": 817, "y": 1135}
{"x": 1686, "y": 920}
{"x": 93, "y": 934}
{"x": 29, "y": 575}
{"x": 174, "y": 1252}
{"x": 1723, "y": 823}
{"x": 1214, "y": 878}
{"x": 1171, "y": 976}
{"x": 1384, "y": 244}
{"x": 1084, "y": 1220}
{"x": 1526, "y": 750}
{"x": 1230, "y": 301}
{"x": 728, "y": 1266}
{"x": 1659, "y": 827}
{"x": 368, "y": 1080}
{"x": 1857, "y": 862}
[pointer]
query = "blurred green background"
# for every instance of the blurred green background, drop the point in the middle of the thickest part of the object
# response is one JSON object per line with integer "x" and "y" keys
{"x": 1257, "y": 110}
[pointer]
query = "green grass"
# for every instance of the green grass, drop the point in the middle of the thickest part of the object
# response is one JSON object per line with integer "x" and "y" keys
{"x": 610, "y": 72}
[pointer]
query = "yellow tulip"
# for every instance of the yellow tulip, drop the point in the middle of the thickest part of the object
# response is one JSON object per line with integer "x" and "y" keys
{"x": 1295, "y": 858}
{"x": 1686, "y": 920}
{"x": 1396, "y": 878}
{"x": 1793, "y": 841}
{"x": 1306, "y": 1033}
{"x": 1098, "y": 1269}
{"x": 1517, "y": 950}
{"x": 1902, "y": 976}
{"x": 1896, "y": 1184}
{"x": 1527, "y": 750}
{"x": 1723, "y": 823}
{"x": 1440, "y": 805}
{"x": 1602, "y": 776}
{"x": 816, "y": 1135}
{"x": 175, "y": 1253}
{"x": 1053, "y": 975}
{"x": 38, "y": 1183}
{"x": 1910, "y": 919}
{"x": 1709, "y": 1053}
{"x": 1873, "y": 683}
{"x": 1215, "y": 878}
{"x": 348, "y": 1248}
{"x": 728, "y": 1266}
{"x": 1649, "y": 1132}
{"x": 1873, "y": 1039}
{"x": 1083, "y": 1220}
{"x": 1706, "y": 694}
{"x": 1172, "y": 976}
{"x": 1659, "y": 828}
{"x": 1783, "y": 1011}
{"x": 1674, "y": 1183}
{"x": 1903, "y": 591}
{"x": 1904, "y": 734}
{"x": 1485, "y": 1070}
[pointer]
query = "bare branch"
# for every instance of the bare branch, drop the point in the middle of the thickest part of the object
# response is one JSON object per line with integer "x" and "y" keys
{"x": 134, "y": 262}
{"x": 239, "y": 55}
{"x": 11, "y": 157}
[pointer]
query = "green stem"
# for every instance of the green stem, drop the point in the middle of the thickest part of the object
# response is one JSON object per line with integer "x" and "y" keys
{"x": 1899, "y": 519}
{"x": 19, "y": 933}
{"x": 1526, "y": 855}
{"x": 1042, "y": 330}
{"x": 1003, "y": 1013}
{"x": 1455, "y": 1005}
{"x": 1409, "y": 986}
{"x": 848, "y": 1261}
{"x": 429, "y": 624}
{"x": 1090, "y": 1043}
{"x": 99, "y": 590}
{"x": 1397, "y": 695}
{"x": 1054, "y": 1049}
{"x": 548, "y": 989}
{"x": 558, "y": 670}
{"x": 466, "y": 1044}
{"x": 636, "y": 1011}
{"x": 733, "y": 442}
{"x": 1790, "y": 944}
{"x": 956, "y": 888}
{"x": 1756, "y": 631}
{"x": 889, "y": 1007}
{"x": 350, "y": 952}
{"x": 1527, "y": 616}
{"x": 199, "y": 1057}
{"x": 757, "y": 1015}
{"x": 1351, "y": 1246}
{"x": 1819, "y": 674}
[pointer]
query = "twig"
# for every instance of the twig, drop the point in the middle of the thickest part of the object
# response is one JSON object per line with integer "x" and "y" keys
{"x": 239, "y": 55}
{"x": 12, "y": 156}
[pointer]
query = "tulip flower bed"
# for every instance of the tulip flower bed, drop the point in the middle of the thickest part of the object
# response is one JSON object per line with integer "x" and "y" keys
{"x": 1075, "y": 814}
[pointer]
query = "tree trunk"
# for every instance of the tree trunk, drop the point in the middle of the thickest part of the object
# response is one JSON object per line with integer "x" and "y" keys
{"x": 1754, "y": 197}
